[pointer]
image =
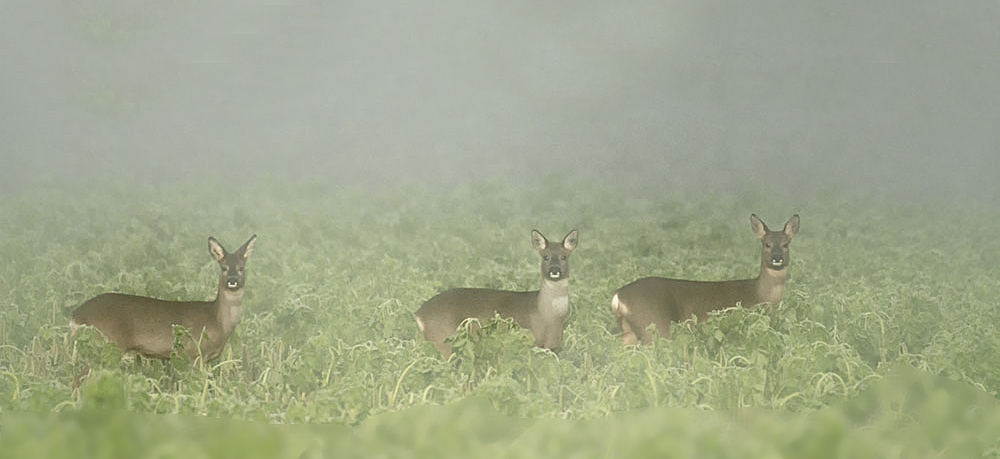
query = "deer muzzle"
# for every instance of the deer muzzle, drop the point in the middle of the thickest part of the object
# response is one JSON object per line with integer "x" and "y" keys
{"x": 777, "y": 261}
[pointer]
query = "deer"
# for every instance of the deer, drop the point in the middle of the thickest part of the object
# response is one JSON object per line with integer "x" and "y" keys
{"x": 660, "y": 301}
{"x": 143, "y": 325}
{"x": 542, "y": 311}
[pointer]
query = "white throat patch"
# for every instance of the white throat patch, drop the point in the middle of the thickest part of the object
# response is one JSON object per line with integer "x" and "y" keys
{"x": 560, "y": 305}
{"x": 553, "y": 298}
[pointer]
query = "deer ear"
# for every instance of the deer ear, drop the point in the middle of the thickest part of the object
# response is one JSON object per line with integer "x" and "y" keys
{"x": 758, "y": 226}
{"x": 247, "y": 248}
{"x": 571, "y": 240}
{"x": 215, "y": 249}
{"x": 538, "y": 240}
{"x": 792, "y": 226}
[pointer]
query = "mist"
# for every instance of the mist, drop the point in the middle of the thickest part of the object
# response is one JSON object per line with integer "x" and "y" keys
{"x": 895, "y": 97}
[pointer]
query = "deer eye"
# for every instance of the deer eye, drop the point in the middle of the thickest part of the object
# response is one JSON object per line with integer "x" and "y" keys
{"x": 769, "y": 245}
{"x": 563, "y": 257}
{"x": 785, "y": 245}
{"x": 546, "y": 257}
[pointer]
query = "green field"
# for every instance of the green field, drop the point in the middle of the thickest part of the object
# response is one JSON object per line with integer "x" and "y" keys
{"x": 328, "y": 334}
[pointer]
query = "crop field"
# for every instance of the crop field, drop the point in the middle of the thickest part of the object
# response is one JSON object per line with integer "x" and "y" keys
{"x": 328, "y": 338}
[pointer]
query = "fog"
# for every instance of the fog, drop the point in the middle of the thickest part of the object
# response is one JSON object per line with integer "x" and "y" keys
{"x": 899, "y": 96}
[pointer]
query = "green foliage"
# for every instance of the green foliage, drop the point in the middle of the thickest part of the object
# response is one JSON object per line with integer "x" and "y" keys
{"x": 910, "y": 413}
{"x": 328, "y": 334}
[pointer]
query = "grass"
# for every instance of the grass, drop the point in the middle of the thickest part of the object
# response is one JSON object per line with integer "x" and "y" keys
{"x": 328, "y": 334}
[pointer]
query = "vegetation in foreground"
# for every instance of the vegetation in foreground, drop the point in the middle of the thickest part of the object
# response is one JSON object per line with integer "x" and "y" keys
{"x": 328, "y": 334}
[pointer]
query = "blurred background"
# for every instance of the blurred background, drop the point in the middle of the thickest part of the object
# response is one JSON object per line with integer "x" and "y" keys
{"x": 897, "y": 97}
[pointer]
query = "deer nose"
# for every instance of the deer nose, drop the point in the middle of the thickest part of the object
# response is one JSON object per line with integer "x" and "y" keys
{"x": 554, "y": 271}
{"x": 777, "y": 259}
{"x": 232, "y": 283}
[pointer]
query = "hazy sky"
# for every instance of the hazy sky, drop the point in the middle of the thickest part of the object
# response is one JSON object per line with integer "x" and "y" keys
{"x": 895, "y": 95}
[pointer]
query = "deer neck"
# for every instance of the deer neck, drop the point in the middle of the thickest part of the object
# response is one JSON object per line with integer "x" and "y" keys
{"x": 770, "y": 284}
{"x": 553, "y": 298}
{"x": 228, "y": 308}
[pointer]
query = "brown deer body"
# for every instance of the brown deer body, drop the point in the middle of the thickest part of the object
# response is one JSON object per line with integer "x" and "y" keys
{"x": 144, "y": 325}
{"x": 542, "y": 311}
{"x": 655, "y": 300}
